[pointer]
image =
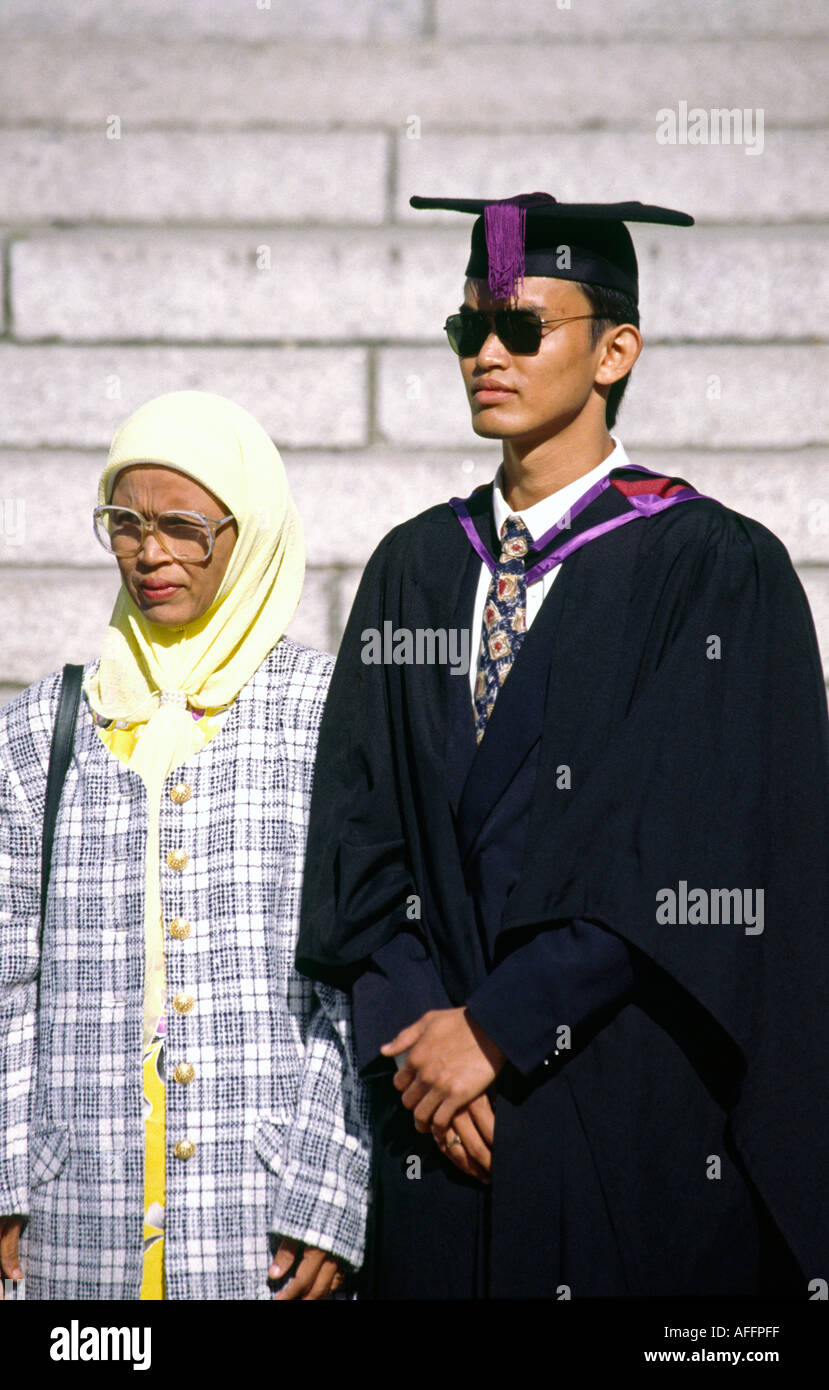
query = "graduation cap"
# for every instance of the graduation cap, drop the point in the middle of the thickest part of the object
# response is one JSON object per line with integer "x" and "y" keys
{"x": 533, "y": 234}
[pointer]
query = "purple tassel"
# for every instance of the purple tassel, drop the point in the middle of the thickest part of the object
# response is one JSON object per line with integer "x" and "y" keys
{"x": 504, "y": 225}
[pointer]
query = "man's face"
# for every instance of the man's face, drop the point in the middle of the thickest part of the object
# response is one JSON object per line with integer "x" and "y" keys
{"x": 531, "y": 397}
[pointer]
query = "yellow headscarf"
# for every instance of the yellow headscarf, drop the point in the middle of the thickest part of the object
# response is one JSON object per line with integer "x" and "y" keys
{"x": 146, "y": 669}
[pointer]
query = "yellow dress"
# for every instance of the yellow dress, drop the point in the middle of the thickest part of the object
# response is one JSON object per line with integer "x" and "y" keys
{"x": 120, "y": 738}
{"x": 152, "y": 1283}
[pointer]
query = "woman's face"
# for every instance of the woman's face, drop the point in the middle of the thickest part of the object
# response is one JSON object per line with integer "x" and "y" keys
{"x": 171, "y": 592}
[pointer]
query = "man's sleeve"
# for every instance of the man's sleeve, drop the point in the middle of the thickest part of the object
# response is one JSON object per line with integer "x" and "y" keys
{"x": 563, "y": 977}
{"x": 398, "y": 986}
{"x": 357, "y": 880}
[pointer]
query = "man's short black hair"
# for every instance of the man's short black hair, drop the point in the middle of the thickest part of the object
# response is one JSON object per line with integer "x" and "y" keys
{"x": 612, "y": 306}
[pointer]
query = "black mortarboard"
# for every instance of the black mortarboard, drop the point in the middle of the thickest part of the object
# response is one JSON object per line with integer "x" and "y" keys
{"x": 528, "y": 234}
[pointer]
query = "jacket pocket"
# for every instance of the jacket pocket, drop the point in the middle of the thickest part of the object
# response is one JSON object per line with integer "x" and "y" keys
{"x": 48, "y": 1150}
{"x": 268, "y": 1138}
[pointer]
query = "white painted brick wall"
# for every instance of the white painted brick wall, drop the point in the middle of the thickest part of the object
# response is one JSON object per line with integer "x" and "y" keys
{"x": 251, "y": 284}
{"x": 255, "y": 21}
{"x": 372, "y": 21}
{"x": 130, "y": 266}
{"x": 674, "y": 19}
{"x": 768, "y": 397}
{"x": 739, "y": 283}
{"x": 189, "y": 176}
{"x": 79, "y": 395}
{"x": 440, "y": 81}
{"x": 788, "y": 182}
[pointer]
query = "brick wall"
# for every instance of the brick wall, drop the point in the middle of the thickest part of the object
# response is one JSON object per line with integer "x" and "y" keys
{"x": 248, "y": 232}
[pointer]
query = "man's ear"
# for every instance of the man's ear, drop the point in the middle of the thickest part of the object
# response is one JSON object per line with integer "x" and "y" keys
{"x": 621, "y": 345}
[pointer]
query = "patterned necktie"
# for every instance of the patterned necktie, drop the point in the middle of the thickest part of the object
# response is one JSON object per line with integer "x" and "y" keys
{"x": 505, "y": 620}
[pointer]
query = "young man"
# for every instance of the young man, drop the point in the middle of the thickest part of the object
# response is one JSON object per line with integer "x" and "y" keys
{"x": 579, "y": 897}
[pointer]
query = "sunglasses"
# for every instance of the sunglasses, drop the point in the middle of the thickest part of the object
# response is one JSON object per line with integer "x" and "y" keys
{"x": 518, "y": 329}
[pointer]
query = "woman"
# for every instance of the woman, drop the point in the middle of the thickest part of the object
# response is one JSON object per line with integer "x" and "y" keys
{"x": 179, "y": 1116}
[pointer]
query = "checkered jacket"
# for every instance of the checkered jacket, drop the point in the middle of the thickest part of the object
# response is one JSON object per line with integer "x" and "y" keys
{"x": 276, "y": 1113}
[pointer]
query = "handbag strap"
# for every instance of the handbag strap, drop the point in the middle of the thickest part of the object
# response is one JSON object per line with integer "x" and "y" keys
{"x": 59, "y": 759}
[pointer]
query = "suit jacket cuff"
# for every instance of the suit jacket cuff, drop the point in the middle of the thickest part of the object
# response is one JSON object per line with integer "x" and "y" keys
{"x": 562, "y": 977}
{"x": 399, "y": 984}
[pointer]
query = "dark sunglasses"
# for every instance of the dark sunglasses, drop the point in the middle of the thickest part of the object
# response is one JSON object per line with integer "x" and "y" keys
{"x": 518, "y": 329}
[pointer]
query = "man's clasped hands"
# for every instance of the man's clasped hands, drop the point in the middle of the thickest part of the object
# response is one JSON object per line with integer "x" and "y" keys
{"x": 446, "y": 1062}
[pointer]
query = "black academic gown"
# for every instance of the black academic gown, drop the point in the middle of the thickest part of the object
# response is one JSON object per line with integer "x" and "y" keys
{"x": 678, "y": 1145}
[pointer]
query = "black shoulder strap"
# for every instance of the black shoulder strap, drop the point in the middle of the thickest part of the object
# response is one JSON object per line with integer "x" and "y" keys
{"x": 59, "y": 758}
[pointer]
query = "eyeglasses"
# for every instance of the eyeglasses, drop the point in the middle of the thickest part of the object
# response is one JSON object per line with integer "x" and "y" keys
{"x": 186, "y": 536}
{"x": 518, "y": 329}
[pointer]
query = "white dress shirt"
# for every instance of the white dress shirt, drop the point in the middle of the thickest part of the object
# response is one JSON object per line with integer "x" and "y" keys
{"x": 541, "y": 517}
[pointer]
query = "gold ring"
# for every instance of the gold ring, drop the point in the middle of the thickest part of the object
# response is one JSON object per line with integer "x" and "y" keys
{"x": 456, "y": 1139}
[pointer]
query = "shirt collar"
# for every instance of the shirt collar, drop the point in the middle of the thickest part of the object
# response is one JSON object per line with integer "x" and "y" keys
{"x": 543, "y": 515}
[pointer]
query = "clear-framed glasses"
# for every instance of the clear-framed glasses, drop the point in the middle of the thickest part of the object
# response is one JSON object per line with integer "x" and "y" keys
{"x": 186, "y": 536}
{"x": 518, "y": 329}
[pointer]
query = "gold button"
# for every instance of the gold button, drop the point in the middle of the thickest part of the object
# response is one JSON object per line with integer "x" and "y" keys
{"x": 179, "y": 928}
{"x": 183, "y": 1003}
{"x": 178, "y": 858}
{"x": 180, "y": 793}
{"x": 184, "y": 1072}
{"x": 185, "y": 1148}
